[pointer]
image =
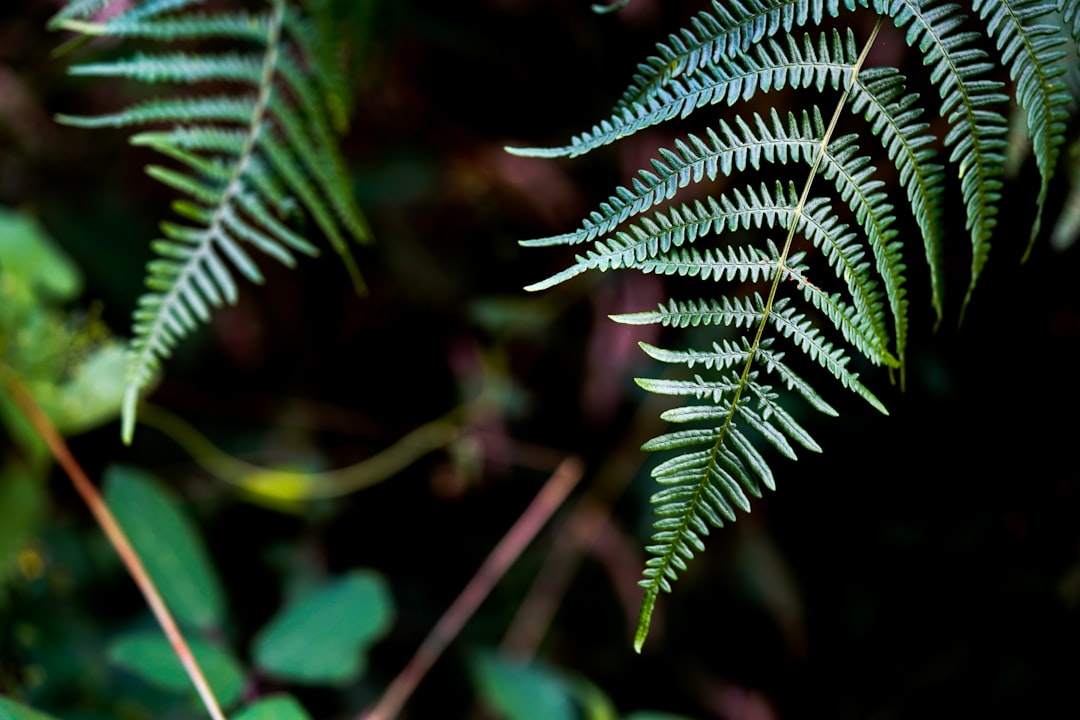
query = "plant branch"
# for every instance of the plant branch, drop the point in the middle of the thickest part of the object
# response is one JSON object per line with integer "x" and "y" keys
{"x": 586, "y": 526}
{"x": 289, "y": 486}
{"x": 116, "y": 535}
{"x": 536, "y": 515}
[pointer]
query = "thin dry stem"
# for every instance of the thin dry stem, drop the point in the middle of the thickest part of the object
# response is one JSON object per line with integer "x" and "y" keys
{"x": 588, "y": 528}
{"x": 119, "y": 540}
{"x": 547, "y": 501}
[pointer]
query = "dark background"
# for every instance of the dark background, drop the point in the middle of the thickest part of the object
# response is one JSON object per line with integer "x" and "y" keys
{"x": 925, "y": 565}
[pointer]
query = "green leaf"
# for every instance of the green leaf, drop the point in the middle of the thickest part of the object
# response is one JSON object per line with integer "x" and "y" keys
{"x": 91, "y": 396}
{"x": 594, "y": 703}
{"x": 22, "y": 506}
{"x": 522, "y": 692}
{"x": 150, "y": 656}
{"x": 28, "y": 253}
{"x": 169, "y": 545}
{"x": 279, "y": 707}
{"x": 322, "y": 637}
{"x": 11, "y": 710}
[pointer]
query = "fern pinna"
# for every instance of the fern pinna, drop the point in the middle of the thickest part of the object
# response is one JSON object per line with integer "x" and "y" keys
{"x": 245, "y": 161}
{"x": 856, "y": 296}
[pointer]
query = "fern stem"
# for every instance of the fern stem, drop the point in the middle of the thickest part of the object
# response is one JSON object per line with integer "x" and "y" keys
{"x": 145, "y": 358}
{"x": 652, "y": 592}
{"x": 781, "y": 261}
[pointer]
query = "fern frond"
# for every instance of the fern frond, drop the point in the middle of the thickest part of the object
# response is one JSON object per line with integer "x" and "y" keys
{"x": 702, "y": 488}
{"x": 1070, "y": 11}
{"x": 653, "y": 246}
{"x": 977, "y": 133}
{"x": 1033, "y": 52}
{"x": 724, "y": 355}
{"x": 808, "y": 338}
{"x": 248, "y": 160}
{"x": 134, "y": 24}
{"x": 649, "y": 244}
{"x": 845, "y": 254}
{"x": 80, "y": 11}
{"x": 878, "y": 94}
{"x": 732, "y": 54}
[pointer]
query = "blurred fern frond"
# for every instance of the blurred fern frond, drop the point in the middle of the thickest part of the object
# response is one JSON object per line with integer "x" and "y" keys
{"x": 244, "y": 162}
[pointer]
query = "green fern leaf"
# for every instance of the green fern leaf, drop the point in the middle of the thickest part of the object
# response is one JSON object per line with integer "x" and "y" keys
{"x": 703, "y": 488}
{"x": 977, "y": 133}
{"x": 1033, "y": 52}
{"x": 878, "y": 94}
{"x": 730, "y": 30}
{"x": 248, "y": 159}
{"x": 1070, "y": 11}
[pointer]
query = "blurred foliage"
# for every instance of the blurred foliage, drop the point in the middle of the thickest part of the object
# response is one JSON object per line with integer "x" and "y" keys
{"x": 520, "y": 691}
{"x": 173, "y": 552}
{"x": 323, "y": 636}
{"x": 274, "y": 708}
{"x": 14, "y": 711}
{"x": 523, "y": 692}
{"x": 66, "y": 359}
{"x": 150, "y": 656}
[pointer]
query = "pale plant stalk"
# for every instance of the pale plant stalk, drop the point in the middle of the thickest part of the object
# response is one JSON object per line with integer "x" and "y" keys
{"x": 517, "y": 538}
{"x": 116, "y": 536}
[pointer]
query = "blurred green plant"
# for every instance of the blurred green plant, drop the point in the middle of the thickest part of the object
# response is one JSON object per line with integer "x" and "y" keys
{"x": 533, "y": 691}
{"x": 253, "y": 159}
{"x": 66, "y": 358}
{"x": 319, "y": 637}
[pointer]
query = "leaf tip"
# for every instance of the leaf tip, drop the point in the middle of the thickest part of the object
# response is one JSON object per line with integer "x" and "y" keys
{"x": 127, "y": 427}
{"x": 644, "y": 619}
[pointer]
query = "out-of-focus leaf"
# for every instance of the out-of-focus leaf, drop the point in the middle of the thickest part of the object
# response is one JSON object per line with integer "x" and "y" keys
{"x": 522, "y": 692}
{"x": 593, "y": 702}
{"x": 150, "y": 656}
{"x": 93, "y": 394}
{"x": 22, "y": 433}
{"x": 647, "y": 715}
{"x": 170, "y": 547}
{"x": 1067, "y": 226}
{"x": 279, "y": 707}
{"x": 63, "y": 358}
{"x": 22, "y": 502}
{"x": 323, "y": 637}
{"x": 11, "y": 710}
{"x": 519, "y": 317}
{"x": 345, "y": 28}
{"x": 27, "y": 252}
{"x": 601, "y": 9}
